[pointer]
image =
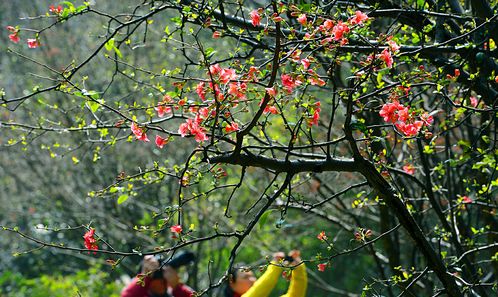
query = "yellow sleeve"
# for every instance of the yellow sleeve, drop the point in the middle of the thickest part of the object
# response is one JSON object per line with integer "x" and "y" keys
{"x": 298, "y": 282}
{"x": 265, "y": 284}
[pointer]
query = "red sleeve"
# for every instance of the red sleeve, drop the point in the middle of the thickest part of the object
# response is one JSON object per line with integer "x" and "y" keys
{"x": 134, "y": 289}
{"x": 182, "y": 291}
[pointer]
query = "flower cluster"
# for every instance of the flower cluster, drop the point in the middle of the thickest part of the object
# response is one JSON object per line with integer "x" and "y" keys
{"x": 14, "y": 37}
{"x": 90, "y": 241}
{"x": 404, "y": 120}
{"x": 193, "y": 127}
{"x": 139, "y": 132}
{"x": 55, "y": 10}
{"x": 321, "y": 236}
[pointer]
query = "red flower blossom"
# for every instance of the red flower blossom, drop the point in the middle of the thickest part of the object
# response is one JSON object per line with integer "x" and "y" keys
{"x": 393, "y": 46}
{"x": 321, "y": 267}
{"x": 474, "y": 101}
{"x": 306, "y": 63}
{"x": 321, "y": 236}
{"x": 216, "y": 34}
{"x": 55, "y": 10}
{"x": 176, "y": 229}
{"x": 227, "y": 75}
{"x": 359, "y": 18}
{"x": 193, "y": 127}
{"x": 199, "y": 89}
{"x": 232, "y": 127}
{"x": 255, "y": 18}
{"x": 215, "y": 69}
{"x": 289, "y": 82}
{"x": 271, "y": 91}
{"x": 302, "y": 19}
{"x": 387, "y": 58}
{"x": 160, "y": 142}
{"x": 339, "y": 30}
{"x": 466, "y": 199}
{"x": 139, "y": 132}
{"x": 14, "y": 37}
{"x": 409, "y": 168}
{"x": 238, "y": 90}
{"x": 389, "y": 111}
{"x": 33, "y": 43}
{"x": 90, "y": 241}
{"x": 315, "y": 118}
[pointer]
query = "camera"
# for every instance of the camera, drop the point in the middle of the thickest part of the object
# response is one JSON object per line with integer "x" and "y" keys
{"x": 181, "y": 258}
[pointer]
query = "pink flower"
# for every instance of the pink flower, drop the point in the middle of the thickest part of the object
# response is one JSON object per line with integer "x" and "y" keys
{"x": 409, "y": 168}
{"x": 162, "y": 109}
{"x": 389, "y": 111}
{"x": 427, "y": 119}
{"x": 316, "y": 81}
{"x": 160, "y": 142}
{"x": 176, "y": 229}
{"x": 216, "y": 34}
{"x": 33, "y": 43}
{"x": 183, "y": 129}
{"x": 139, "y": 132}
{"x": 359, "y": 18}
{"x": 306, "y": 63}
{"x": 321, "y": 236}
{"x": 393, "y": 46}
{"x": 251, "y": 74}
{"x": 215, "y": 69}
{"x": 270, "y": 109}
{"x": 194, "y": 128}
{"x": 302, "y": 19}
{"x": 232, "y": 127}
{"x": 387, "y": 58}
{"x": 339, "y": 30}
{"x": 271, "y": 91}
{"x": 321, "y": 267}
{"x": 238, "y": 90}
{"x": 409, "y": 129}
{"x": 466, "y": 199}
{"x": 14, "y": 37}
{"x": 289, "y": 82}
{"x": 473, "y": 101}
{"x": 255, "y": 18}
{"x": 315, "y": 118}
{"x": 11, "y": 29}
{"x": 90, "y": 241}
{"x": 199, "y": 89}
{"x": 200, "y": 135}
{"x": 328, "y": 24}
{"x": 227, "y": 75}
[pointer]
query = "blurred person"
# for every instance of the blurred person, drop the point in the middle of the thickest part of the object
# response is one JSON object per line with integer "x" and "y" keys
{"x": 158, "y": 280}
{"x": 243, "y": 283}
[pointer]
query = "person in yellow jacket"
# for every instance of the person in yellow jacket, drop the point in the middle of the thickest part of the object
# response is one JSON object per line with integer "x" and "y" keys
{"x": 243, "y": 283}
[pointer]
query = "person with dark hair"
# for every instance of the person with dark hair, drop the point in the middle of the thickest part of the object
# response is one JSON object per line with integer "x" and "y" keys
{"x": 159, "y": 280}
{"x": 243, "y": 283}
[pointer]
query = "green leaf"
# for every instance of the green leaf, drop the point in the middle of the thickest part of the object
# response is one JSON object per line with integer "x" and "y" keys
{"x": 122, "y": 198}
{"x": 118, "y": 52}
{"x": 94, "y": 106}
{"x": 109, "y": 45}
{"x": 264, "y": 218}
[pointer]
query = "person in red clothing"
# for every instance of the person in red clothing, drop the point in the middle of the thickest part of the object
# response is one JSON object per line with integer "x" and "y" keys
{"x": 167, "y": 285}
